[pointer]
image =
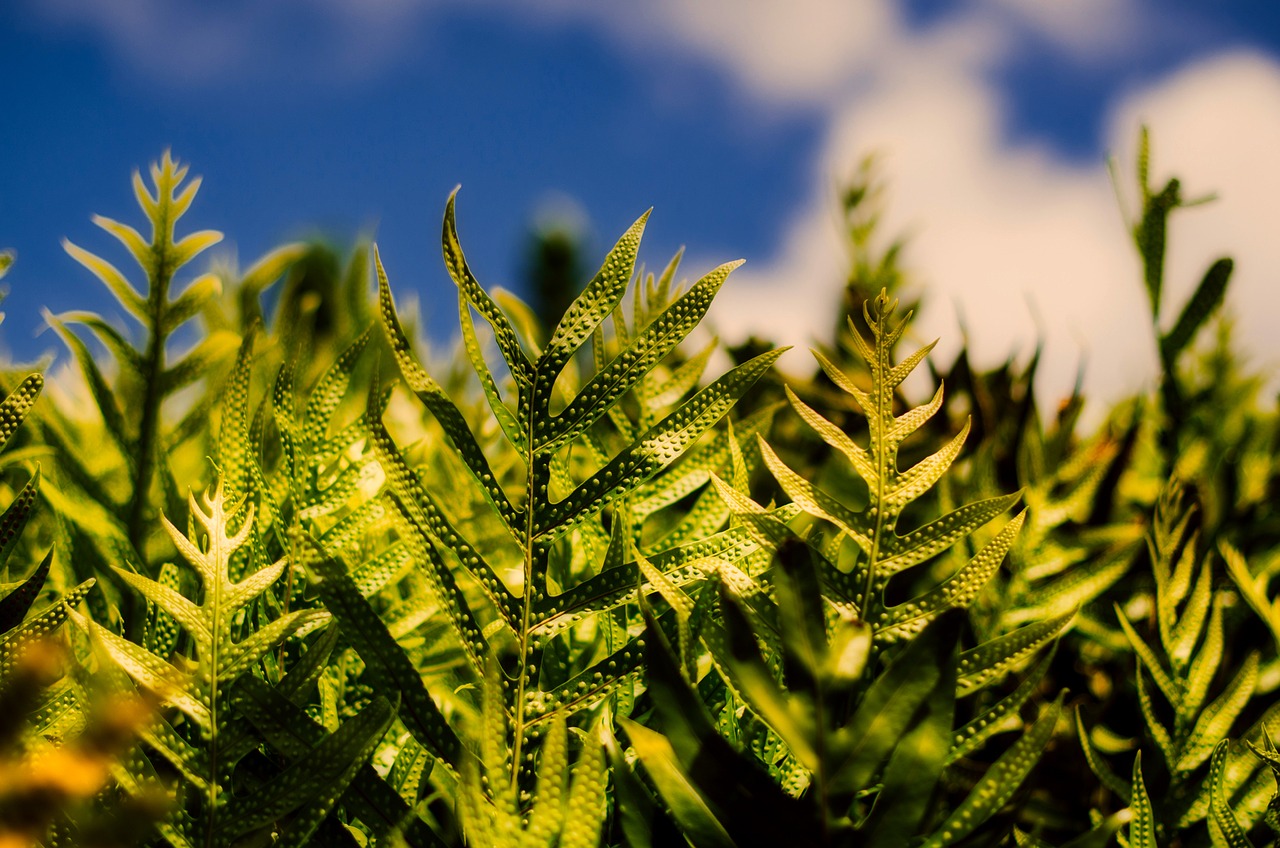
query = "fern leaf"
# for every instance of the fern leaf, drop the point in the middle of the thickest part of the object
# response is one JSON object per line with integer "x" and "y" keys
{"x": 1145, "y": 653}
{"x": 1224, "y": 828}
{"x": 653, "y": 451}
{"x": 1000, "y": 781}
{"x": 15, "y": 605}
{"x": 955, "y": 592}
{"x": 1099, "y": 767}
{"x": 1216, "y": 719}
{"x": 630, "y": 366}
{"x": 874, "y": 529}
{"x": 1142, "y": 829}
{"x": 980, "y": 666}
{"x": 308, "y": 789}
{"x": 386, "y": 662}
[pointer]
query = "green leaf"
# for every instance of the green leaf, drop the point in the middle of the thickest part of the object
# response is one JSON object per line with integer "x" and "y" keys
{"x": 1203, "y": 303}
{"x": 889, "y": 706}
{"x": 15, "y": 605}
{"x": 630, "y": 366}
{"x": 1204, "y": 665}
{"x": 695, "y": 768}
{"x": 288, "y": 729}
{"x": 586, "y": 805}
{"x": 519, "y": 364}
{"x": 697, "y": 821}
{"x": 955, "y": 592}
{"x": 444, "y": 409}
{"x": 983, "y": 665}
{"x": 1216, "y": 720}
{"x": 1142, "y": 828}
{"x": 657, "y": 448}
{"x": 104, "y": 398}
{"x": 387, "y": 665}
{"x": 753, "y": 680}
{"x": 1000, "y": 782}
{"x": 194, "y": 298}
{"x": 994, "y": 719}
{"x": 596, "y": 302}
{"x": 113, "y": 279}
{"x": 1224, "y": 828}
{"x": 1099, "y": 766}
{"x": 312, "y": 784}
{"x": 913, "y": 770}
{"x": 1171, "y": 689}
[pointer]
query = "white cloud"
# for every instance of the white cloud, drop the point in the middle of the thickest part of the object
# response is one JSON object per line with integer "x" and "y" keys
{"x": 803, "y": 49}
{"x": 192, "y": 42}
{"x": 1089, "y": 29}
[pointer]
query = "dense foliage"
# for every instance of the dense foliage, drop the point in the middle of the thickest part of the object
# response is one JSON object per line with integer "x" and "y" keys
{"x": 272, "y": 575}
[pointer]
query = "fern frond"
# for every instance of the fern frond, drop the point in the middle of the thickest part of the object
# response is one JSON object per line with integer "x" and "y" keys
{"x": 199, "y": 687}
{"x": 883, "y": 550}
{"x": 581, "y": 455}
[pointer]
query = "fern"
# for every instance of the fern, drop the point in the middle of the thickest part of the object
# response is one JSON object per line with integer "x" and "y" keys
{"x": 201, "y": 747}
{"x": 840, "y": 732}
{"x": 875, "y": 750}
{"x": 1150, "y": 235}
{"x": 1180, "y": 668}
{"x": 881, "y": 552}
{"x": 552, "y": 521}
{"x": 116, "y": 516}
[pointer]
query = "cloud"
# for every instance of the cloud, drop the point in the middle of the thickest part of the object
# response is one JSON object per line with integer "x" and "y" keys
{"x": 1088, "y": 30}
{"x": 187, "y": 42}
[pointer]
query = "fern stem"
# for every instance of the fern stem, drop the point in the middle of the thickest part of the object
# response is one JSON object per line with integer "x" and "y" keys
{"x": 883, "y": 401}
{"x": 148, "y": 428}
{"x": 538, "y": 471}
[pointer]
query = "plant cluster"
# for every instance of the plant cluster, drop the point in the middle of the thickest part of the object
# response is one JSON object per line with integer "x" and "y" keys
{"x": 272, "y": 575}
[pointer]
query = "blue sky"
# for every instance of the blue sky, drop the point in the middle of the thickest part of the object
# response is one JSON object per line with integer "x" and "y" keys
{"x": 734, "y": 120}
